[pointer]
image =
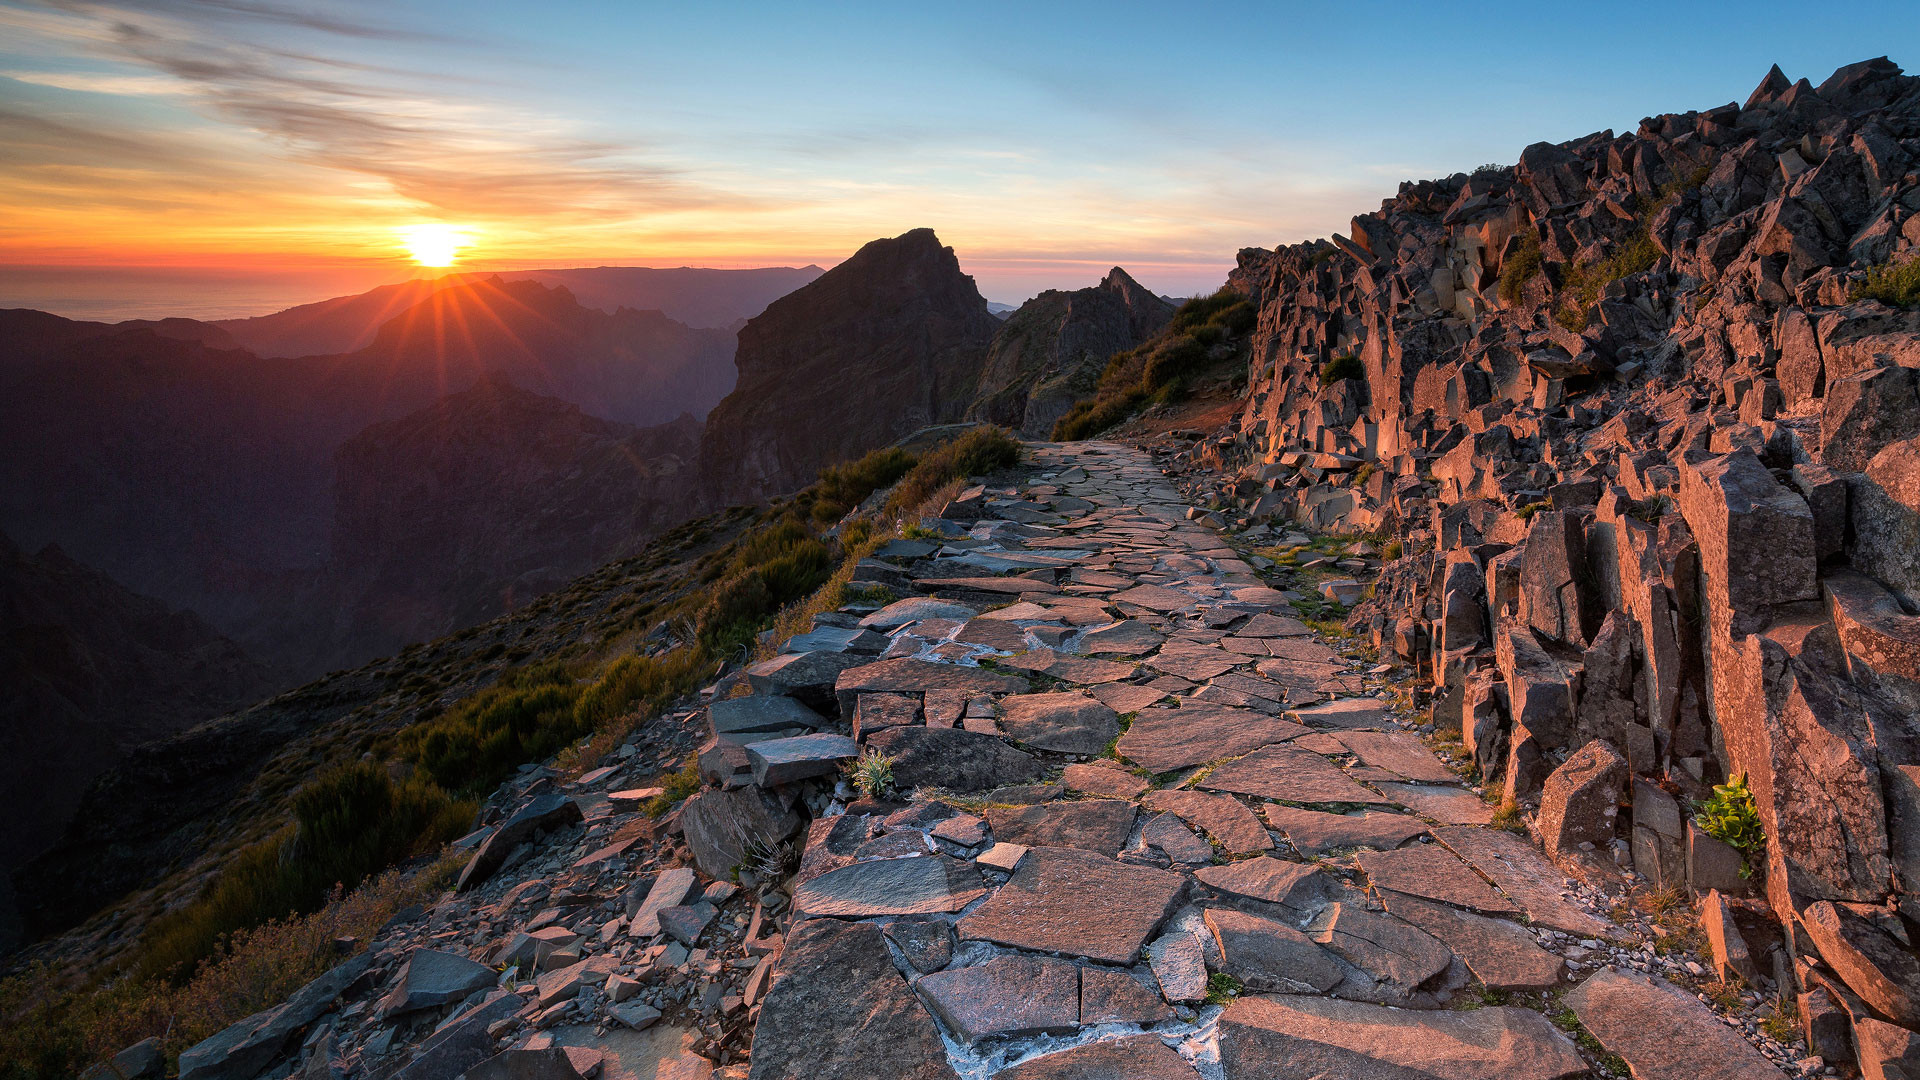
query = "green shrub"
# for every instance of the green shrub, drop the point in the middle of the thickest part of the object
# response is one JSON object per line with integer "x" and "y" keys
{"x": 1344, "y": 366}
{"x": 1897, "y": 284}
{"x": 978, "y": 452}
{"x": 1583, "y": 283}
{"x": 1729, "y": 816}
{"x": 480, "y": 741}
{"x": 1526, "y": 512}
{"x": 1521, "y": 267}
{"x": 1094, "y": 415}
{"x": 843, "y": 487}
{"x": 349, "y": 824}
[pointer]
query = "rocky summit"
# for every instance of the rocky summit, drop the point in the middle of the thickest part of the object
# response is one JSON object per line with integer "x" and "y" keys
{"x": 1519, "y": 683}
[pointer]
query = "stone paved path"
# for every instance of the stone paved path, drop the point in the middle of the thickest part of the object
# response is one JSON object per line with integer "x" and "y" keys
{"x": 1148, "y": 825}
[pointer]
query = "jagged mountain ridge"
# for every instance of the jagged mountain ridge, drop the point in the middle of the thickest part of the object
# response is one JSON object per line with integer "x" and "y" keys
{"x": 1050, "y": 352}
{"x": 887, "y": 342}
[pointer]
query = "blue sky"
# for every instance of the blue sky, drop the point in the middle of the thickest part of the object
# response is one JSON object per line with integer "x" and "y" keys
{"x": 1044, "y": 142}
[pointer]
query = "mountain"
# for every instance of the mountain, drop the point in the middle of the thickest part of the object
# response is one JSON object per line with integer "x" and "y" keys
{"x": 883, "y": 344}
{"x": 1049, "y": 354}
{"x": 90, "y": 670}
{"x": 693, "y": 296}
{"x": 205, "y": 476}
{"x": 454, "y": 514}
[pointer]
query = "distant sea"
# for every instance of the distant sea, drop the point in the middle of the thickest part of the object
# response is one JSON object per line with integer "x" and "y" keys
{"x": 113, "y": 293}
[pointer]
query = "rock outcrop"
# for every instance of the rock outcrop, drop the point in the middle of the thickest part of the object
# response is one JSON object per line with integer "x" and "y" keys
{"x": 886, "y": 343}
{"x": 1051, "y": 351}
{"x": 1641, "y": 432}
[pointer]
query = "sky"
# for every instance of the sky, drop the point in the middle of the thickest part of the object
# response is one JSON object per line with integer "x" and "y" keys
{"x": 219, "y": 157}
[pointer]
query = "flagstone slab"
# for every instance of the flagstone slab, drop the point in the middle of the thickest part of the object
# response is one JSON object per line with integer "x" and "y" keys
{"x": 1399, "y": 752}
{"x": 1354, "y": 714}
{"x": 1267, "y": 625}
{"x": 1282, "y": 772}
{"x": 1126, "y": 697}
{"x": 1663, "y": 1032}
{"x": 904, "y": 675}
{"x": 1101, "y": 825}
{"x": 1444, "y": 803}
{"x": 1077, "y": 903}
{"x": 1314, "y": 833}
{"x": 1129, "y": 637}
{"x": 917, "y": 886}
{"x": 1312, "y": 1038}
{"x": 1069, "y": 668}
{"x": 1398, "y": 956}
{"x": 1193, "y": 662}
{"x": 953, "y": 758}
{"x": 1103, "y": 779}
{"x": 1009, "y": 585}
{"x": 1135, "y": 1057}
{"x": 1007, "y": 996}
{"x": 1168, "y": 835}
{"x": 1156, "y": 598}
{"x": 1500, "y": 954}
{"x": 1225, "y": 819}
{"x": 1540, "y": 890}
{"x": 1070, "y": 723}
{"x": 1162, "y": 740}
{"x": 1433, "y": 872}
{"x": 1300, "y": 889}
{"x": 1267, "y": 954}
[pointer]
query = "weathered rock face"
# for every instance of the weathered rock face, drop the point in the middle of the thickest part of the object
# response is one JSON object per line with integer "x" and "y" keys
{"x": 1050, "y": 352}
{"x": 890, "y": 341}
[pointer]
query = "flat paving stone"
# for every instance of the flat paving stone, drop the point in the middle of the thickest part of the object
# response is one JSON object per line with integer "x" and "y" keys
{"x": 799, "y": 757}
{"x": 914, "y": 609}
{"x": 1011, "y": 586}
{"x": 1281, "y": 772}
{"x": 1313, "y": 833}
{"x": 904, "y": 675}
{"x": 1443, "y": 803}
{"x": 1345, "y": 714}
{"x": 1067, "y": 667}
{"x": 953, "y": 759}
{"x": 1431, "y": 871}
{"x": 1125, "y": 697}
{"x": 1198, "y": 664}
{"x": 1499, "y": 953}
{"x": 917, "y": 886}
{"x": 1535, "y": 885}
{"x": 1399, "y": 752}
{"x": 1179, "y": 962}
{"x": 1099, "y": 779}
{"x": 1267, "y": 954}
{"x": 1135, "y": 1057}
{"x": 994, "y": 634}
{"x": 1310, "y": 1038}
{"x": 1225, "y": 819}
{"x": 1006, "y": 996}
{"x": 1300, "y": 889}
{"x": 1101, "y": 825}
{"x": 1156, "y": 598}
{"x": 1078, "y": 903}
{"x": 1071, "y": 723}
{"x": 1171, "y": 837}
{"x": 1268, "y": 625}
{"x": 760, "y": 712}
{"x": 1162, "y": 740}
{"x": 1110, "y": 996}
{"x": 1128, "y": 637}
{"x": 1663, "y": 1032}
{"x": 1399, "y": 956}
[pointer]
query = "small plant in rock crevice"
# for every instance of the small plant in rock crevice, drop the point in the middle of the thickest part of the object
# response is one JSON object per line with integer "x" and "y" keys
{"x": 1729, "y": 816}
{"x": 1223, "y": 988}
{"x": 871, "y": 774}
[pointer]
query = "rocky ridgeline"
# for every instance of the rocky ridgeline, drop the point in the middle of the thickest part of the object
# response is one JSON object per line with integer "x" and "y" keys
{"x": 1137, "y": 821}
{"x": 1678, "y": 544}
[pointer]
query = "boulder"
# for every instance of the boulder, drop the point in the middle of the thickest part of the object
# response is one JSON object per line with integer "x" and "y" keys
{"x": 1581, "y": 800}
{"x": 244, "y": 1048}
{"x": 807, "y": 676}
{"x": 1755, "y": 537}
{"x": 1663, "y": 1032}
{"x": 431, "y": 977}
{"x": 839, "y": 1010}
{"x": 724, "y": 827}
{"x": 544, "y": 812}
{"x": 1871, "y": 961}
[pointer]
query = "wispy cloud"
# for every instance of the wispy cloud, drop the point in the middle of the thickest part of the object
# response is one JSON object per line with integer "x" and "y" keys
{"x": 271, "y": 69}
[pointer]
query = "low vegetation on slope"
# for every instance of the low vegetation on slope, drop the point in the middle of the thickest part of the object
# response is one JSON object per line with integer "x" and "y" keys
{"x": 1162, "y": 368}
{"x": 266, "y": 922}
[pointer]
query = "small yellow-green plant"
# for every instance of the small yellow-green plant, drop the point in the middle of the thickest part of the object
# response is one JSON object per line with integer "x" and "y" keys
{"x": 1222, "y": 988}
{"x": 1892, "y": 283}
{"x": 1729, "y": 816}
{"x": 871, "y": 774}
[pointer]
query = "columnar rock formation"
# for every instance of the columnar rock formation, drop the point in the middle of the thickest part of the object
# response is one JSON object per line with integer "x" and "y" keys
{"x": 1652, "y": 458}
{"x": 884, "y": 344}
{"x": 1051, "y": 351}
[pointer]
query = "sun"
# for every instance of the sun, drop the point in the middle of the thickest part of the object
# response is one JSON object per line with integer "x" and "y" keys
{"x": 433, "y": 245}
